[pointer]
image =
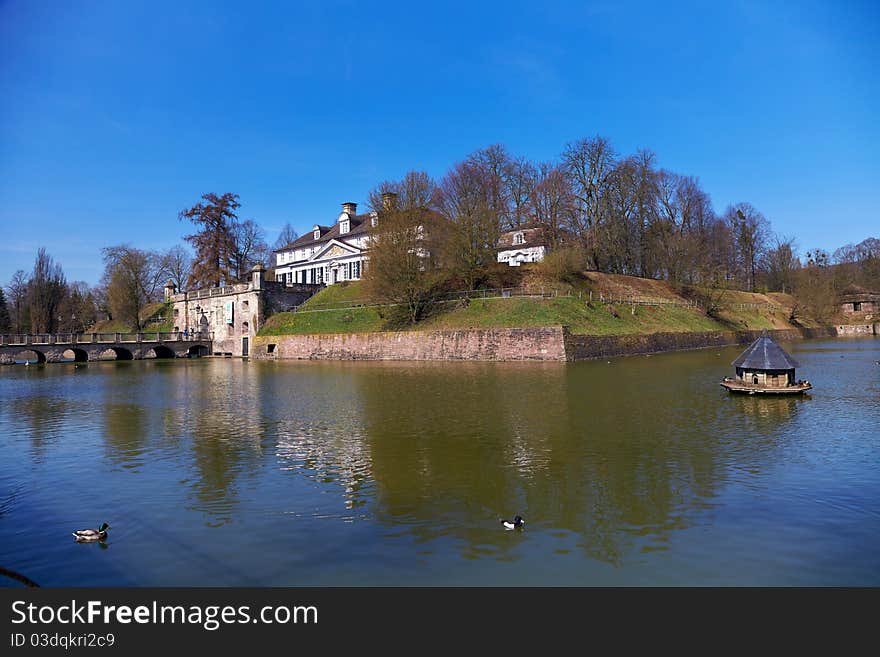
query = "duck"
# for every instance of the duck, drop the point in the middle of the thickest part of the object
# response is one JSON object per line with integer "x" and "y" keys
{"x": 89, "y": 535}
{"x": 517, "y": 523}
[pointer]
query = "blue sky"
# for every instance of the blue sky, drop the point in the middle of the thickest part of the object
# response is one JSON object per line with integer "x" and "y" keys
{"x": 116, "y": 115}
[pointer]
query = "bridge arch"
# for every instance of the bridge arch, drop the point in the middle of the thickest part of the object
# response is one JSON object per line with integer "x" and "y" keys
{"x": 119, "y": 353}
{"x": 162, "y": 351}
{"x": 78, "y": 355}
{"x": 25, "y": 355}
{"x": 197, "y": 351}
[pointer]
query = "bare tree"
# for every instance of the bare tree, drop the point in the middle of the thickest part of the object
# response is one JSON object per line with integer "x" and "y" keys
{"x": 552, "y": 200}
{"x": 520, "y": 179}
{"x": 781, "y": 264}
{"x": 814, "y": 288}
{"x": 249, "y": 248}
{"x": 177, "y": 261}
{"x": 492, "y": 166}
{"x": 403, "y": 269}
{"x": 465, "y": 197}
{"x": 133, "y": 278}
{"x": 20, "y": 321}
{"x": 589, "y": 163}
{"x": 78, "y": 310}
{"x": 286, "y": 236}
{"x": 750, "y": 230}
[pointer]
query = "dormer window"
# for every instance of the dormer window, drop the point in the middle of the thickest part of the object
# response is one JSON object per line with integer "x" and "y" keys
{"x": 519, "y": 238}
{"x": 374, "y": 219}
{"x": 317, "y": 232}
{"x": 344, "y": 227}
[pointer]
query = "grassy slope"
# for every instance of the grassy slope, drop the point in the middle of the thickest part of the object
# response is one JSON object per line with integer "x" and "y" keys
{"x": 575, "y": 313}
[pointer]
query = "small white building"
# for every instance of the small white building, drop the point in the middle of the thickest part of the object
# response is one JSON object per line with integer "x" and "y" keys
{"x": 328, "y": 254}
{"x": 527, "y": 243}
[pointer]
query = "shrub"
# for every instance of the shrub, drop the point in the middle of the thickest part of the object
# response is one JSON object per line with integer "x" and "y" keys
{"x": 564, "y": 265}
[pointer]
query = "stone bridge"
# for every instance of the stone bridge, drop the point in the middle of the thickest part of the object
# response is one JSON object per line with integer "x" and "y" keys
{"x": 104, "y": 346}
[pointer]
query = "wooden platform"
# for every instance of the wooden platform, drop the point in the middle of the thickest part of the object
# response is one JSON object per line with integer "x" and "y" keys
{"x": 750, "y": 389}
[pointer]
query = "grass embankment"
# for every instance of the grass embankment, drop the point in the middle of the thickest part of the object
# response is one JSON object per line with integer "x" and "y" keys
{"x": 740, "y": 311}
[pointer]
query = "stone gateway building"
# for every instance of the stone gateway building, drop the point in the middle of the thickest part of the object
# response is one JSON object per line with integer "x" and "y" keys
{"x": 234, "y": 313}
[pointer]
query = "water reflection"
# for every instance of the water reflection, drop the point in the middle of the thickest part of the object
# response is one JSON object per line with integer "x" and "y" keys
{"x": 125, "y": 433}
{"x": 361, "y": 471}
{"x": 224, "y": 430}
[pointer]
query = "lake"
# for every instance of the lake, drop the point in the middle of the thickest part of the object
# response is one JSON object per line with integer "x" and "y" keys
{"x": 634, "y": 471}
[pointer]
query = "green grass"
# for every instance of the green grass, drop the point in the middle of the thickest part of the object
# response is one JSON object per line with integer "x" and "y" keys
{"x": 353, "y": 320}
{"x": 575, "y": 313}
{"x": 339, "y": 293}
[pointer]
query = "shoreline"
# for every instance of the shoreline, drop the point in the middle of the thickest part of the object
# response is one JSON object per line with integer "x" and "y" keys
{"x": 550, "y": 343}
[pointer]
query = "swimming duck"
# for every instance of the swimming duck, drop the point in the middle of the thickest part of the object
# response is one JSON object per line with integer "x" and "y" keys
{"x": 89, "y": 535}
{"x": 517, "y": 523}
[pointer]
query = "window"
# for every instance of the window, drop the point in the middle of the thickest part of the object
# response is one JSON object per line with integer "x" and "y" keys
{"x": 519, "y": 238}
{"x": 857, "y": 306}
{"x": 317, "y": 234}
{"x": 343, "y": 227}
{"x": 356, "y": 269}
{"x": 245, "y": 304}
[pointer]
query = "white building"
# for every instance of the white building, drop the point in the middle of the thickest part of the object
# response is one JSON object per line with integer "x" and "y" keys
{"x": 328, "y": 254}
{"x": 527, "y": 243}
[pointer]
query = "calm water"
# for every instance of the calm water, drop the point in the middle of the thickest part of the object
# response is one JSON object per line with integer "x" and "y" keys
{"x": 640, "y": 470}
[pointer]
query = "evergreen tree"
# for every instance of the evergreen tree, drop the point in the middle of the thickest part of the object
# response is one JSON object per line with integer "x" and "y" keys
{"x": 4, "y": 313}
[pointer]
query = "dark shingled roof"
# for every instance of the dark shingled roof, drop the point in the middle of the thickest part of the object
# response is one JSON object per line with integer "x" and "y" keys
{"x": 765, "y": 354}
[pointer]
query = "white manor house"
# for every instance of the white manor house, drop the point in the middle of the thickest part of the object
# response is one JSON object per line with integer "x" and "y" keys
{"x": 337, "y": 253}
{"x": 328, "y": 254}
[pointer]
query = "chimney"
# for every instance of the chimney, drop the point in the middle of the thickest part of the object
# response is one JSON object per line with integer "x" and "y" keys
{"x": 389, "y": 200}
{"x": 350, "y": 208}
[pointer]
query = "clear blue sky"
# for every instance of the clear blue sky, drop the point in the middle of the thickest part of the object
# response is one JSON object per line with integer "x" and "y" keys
{"x": 116, "y": 115}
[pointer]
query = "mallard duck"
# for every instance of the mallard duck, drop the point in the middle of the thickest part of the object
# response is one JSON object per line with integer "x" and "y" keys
{"x": 517, "y": 523}
{"x": 89, "y": 535}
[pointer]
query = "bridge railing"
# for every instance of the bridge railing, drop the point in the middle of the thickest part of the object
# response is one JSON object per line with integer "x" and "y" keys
{"x": 25, "y": 339}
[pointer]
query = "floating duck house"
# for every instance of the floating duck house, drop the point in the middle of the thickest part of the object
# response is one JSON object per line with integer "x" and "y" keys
{"x": 765, "y": 368}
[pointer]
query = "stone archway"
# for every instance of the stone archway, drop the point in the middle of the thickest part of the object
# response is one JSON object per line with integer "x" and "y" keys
{"x": 76, "y": 355}
{"x": 119, "y": 353}
{"x": 197, "y": 351}
{"x": 31, "y": 355}
{"x": 161, "y": 351}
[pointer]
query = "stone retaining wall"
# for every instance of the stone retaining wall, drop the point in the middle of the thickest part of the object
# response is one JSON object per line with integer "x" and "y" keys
{"x": 467, "y": 344}
{"x": 858, "y": 329}
{"x": 584, "y": 347}
{"x": 552, "y": 343}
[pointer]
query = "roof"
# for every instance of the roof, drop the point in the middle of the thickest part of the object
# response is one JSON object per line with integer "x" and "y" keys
{"x": 765, "y": 354}
{"x": 534, "y": 234}
{"x": 360, "y": 223}
{"x": 858, "y": 293}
